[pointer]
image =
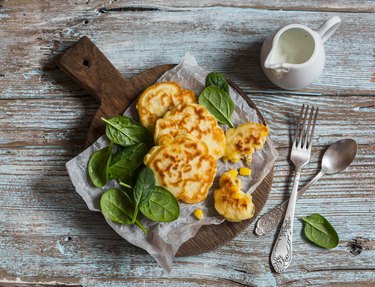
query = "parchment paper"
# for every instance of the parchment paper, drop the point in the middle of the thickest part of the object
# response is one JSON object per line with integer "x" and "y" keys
{"x": 164, "y": 239}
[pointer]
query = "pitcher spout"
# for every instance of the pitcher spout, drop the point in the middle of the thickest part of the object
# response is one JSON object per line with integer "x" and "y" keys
{"x": 268, "y": 62}
{"x": 278, "y": 68}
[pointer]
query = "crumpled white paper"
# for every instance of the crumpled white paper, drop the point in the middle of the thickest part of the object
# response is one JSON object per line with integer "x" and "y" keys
{"x": 164, "y": 239}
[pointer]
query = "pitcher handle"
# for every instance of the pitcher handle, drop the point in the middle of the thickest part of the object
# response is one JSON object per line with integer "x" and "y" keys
{"x": 328, "y": 28}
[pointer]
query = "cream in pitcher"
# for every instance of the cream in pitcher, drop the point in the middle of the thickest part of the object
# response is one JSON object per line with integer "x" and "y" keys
{"x": 293, "y": 56}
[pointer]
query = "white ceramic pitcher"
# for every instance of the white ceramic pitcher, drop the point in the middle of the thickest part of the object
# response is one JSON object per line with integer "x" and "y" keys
{"x": 293, "y": 56}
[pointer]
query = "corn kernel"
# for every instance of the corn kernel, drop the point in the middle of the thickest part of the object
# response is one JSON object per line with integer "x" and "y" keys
{"x": 232, "y": 155}
{"x": 235, "y": 160}
{"x": 198, "y": 213}
{"x": 233, "y": 172}
{"x": 245, "y": 171}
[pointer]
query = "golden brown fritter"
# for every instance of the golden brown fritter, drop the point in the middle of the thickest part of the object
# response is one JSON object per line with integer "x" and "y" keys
{"x": 244, "y": 140}
{"x": 156, "y": 100}
{"x": 230, "y": 202}
{"x": 184, "y": 167}
{"x": 194, "y": 120}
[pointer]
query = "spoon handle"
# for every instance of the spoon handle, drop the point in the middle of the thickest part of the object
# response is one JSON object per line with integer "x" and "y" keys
{"x": 273, "y": 217}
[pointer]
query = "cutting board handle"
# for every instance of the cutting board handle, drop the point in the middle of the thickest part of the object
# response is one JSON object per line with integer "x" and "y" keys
{"x": 88, "y": 66}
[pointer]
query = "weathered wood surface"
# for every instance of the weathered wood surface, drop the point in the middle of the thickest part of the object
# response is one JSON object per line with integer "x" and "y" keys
{"x": 47, "y": 235}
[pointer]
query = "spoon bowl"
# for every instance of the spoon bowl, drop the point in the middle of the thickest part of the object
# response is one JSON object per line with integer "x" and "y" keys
{"x": 339, "y": 156}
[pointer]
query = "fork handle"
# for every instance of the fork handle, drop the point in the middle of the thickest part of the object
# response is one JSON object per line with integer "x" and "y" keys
{"x": 272, "y": 218}
{"x": 282, "y": 251}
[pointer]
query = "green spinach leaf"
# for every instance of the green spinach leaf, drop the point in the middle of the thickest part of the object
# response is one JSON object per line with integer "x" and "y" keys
{"x": 126, "y": 160}
{"x": 162, "y": 206}
{"x": 319, "y": 231}
{"x": 124, "y": 131}
{"x": 97, "y": 166}
{"x": 117, "y": 206}
{"x": 218, "y": 103}
{"x": 143, "y": 188}
{"x": 217, "y": 80}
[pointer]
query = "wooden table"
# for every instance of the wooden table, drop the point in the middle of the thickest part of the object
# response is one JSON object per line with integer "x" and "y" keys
{"x": 48, "y": 236}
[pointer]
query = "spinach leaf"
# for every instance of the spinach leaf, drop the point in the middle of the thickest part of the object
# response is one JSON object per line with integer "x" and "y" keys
{"x": 319, "y": 231}
{"x": 217, "y": 80}
{"x": 117, "y": 155}
{"x": 218, "y": 103}
{"x": 162, "y": 206}
{"x": 143, "y": 188}
{"x": 126, "y": 160}
{"x": 97, "y": 166}
{"x": 124, "y": 131}
{"x": 117, "y": 206}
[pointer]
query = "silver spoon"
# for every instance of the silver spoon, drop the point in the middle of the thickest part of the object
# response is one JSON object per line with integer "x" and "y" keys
{"x": 336, "y": 158}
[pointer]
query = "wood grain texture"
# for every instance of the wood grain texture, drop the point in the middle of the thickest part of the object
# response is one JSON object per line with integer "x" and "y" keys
{"x": 103, "y": 6}
{"x": 47, "y": 235}
{"x": 232, "y": 40}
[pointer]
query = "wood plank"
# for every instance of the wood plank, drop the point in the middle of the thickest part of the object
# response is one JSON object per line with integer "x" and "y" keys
{"x": 57, "y": 121}
{"x": 232, "y": 40}
{"x": 31, "y": 163}
{"x": 162, "y": 5}
{"x": 103, "y": 256}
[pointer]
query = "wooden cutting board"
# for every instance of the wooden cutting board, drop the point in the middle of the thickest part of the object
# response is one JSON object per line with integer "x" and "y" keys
{"x": 87, "y": 65}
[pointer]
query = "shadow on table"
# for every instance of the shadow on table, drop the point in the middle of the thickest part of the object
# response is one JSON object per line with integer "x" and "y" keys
{"x": 245, "y": 67}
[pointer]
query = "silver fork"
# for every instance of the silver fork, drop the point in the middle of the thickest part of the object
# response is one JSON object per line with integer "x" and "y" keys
{"x": 300, "y": 155}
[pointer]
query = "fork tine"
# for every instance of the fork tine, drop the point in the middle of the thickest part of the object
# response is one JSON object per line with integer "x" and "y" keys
{"x": 297, "y": 132}
{"x": 313, "y": 128}
{"x": 307, "y": 136}
{"x": 303, "y": 129}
